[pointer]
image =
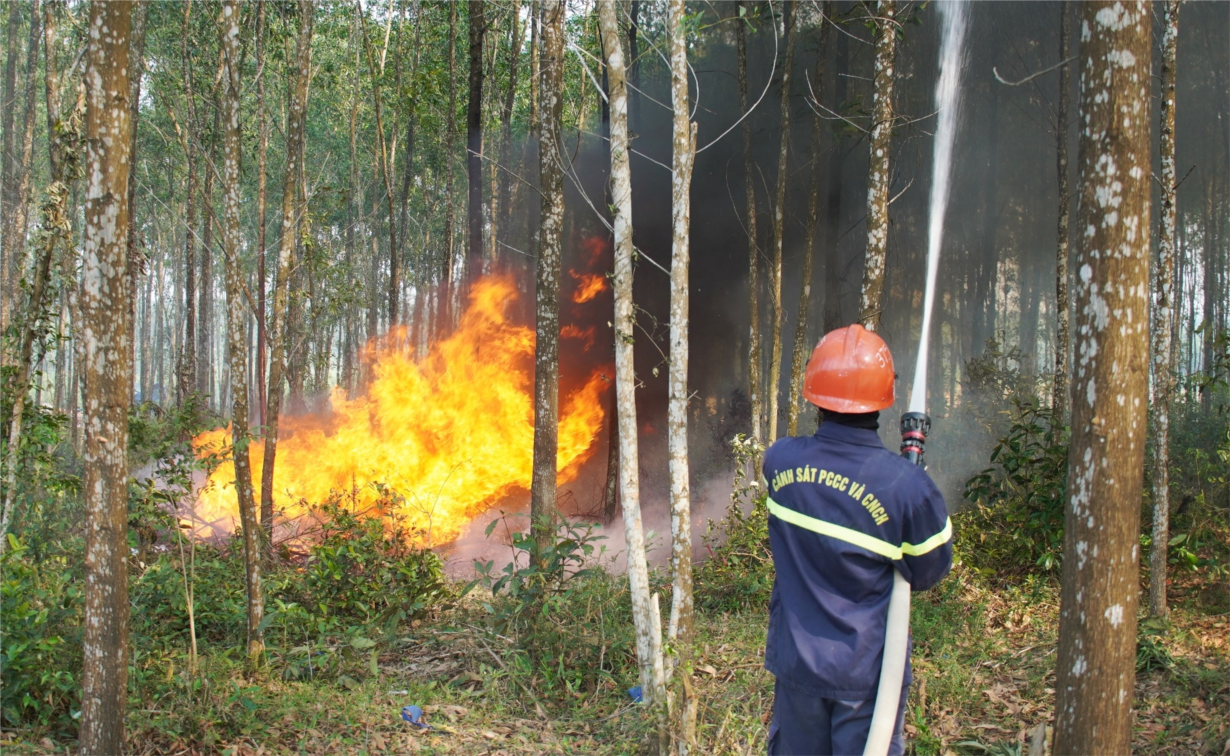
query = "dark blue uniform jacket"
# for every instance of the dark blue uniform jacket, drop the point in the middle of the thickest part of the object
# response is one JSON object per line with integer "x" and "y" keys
{"x": 843, "y": 512}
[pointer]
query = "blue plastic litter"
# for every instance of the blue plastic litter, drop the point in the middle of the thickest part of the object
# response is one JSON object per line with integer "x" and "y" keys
{"x": 635, "y": 693}
{"x": 414, "y": 715}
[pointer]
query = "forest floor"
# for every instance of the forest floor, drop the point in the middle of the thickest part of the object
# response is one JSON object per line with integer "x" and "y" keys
{"x": 983, "y": 667}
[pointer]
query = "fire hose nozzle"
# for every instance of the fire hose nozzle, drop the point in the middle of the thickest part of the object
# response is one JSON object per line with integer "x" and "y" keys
{"x": 914, "y": 429}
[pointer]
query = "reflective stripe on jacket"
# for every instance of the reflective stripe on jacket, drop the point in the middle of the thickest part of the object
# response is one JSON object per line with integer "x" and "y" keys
{"x": 844, "y": 511}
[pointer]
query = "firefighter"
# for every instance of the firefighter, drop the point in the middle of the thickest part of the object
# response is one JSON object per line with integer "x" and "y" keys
{"x": 844, "y": 512}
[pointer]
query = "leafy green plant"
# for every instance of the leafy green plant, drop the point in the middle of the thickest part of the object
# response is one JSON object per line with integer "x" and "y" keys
{"x": 1151, "y": 650}
{"x": 536, "y": 576}
{"x": 1016, "y": 521}
{"x": 571, "y": 618}
{"x": 40, "y": 627}
{"x": 738, "y": 574}
{"x": 363, "y": 569}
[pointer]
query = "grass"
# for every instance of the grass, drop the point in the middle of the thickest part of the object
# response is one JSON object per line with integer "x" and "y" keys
{"x": 983, "y": 666}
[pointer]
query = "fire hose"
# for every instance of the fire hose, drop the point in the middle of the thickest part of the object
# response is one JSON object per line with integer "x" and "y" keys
{"x": 915, "y": 423}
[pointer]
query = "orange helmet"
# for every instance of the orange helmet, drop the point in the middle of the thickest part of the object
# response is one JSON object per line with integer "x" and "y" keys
{"x": 850, "y": 370}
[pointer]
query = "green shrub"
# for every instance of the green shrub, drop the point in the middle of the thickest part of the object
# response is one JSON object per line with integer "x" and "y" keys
{"x": 362, "y": 570}
{"x": 738, "y": 575}
{"x": 1016, "y": 522}
{"x": 571, "y": 618}
{"x": 40, "y": 639}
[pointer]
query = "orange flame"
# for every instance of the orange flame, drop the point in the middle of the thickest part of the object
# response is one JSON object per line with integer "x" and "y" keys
{"x": 442, "y": 437}
{"x": 584, "y": 335}
{"x": 589, "y": 285}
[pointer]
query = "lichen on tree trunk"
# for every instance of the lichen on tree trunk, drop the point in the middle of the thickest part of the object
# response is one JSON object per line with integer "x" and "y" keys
{"x": 1096, "y": 665}
{"x": 779, "y": 228}
{"x": 546, "y": 296}
{"x": 754, "y": 378}
{"x": 652, "y": 675}
{"x": 1059, "y": 392}
{"x": 286, "y": 247}
{"x": 680, "y": 626}
{"x": 813, "y": 218}
{"x": 1163, "y": 321}
{"x": 871, "y": 302}
{"x": 228, "y": 33}
{"x": 105, "y": 334}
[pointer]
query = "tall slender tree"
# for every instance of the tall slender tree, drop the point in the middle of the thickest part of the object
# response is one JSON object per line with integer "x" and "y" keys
{"x": 188, "y": 380}
{"x": 877, "y": 182}
{"x": 386, "y": 170}
{"x": 54, "y": 218}
{"x": 474, "y": 133}
{"x": 1059, "y": 393}
{"x": 683, "y": 154}
{"x": 1096, "y": 666}
{"x": 754, "y": 379}
{"x": 813, "y": 220}
{"x": 647, "y": 622}
{"x": 779, "y": 226}
{"x": 546, "y": 295}
{"x": 105, "y": 333}
{"x": 1163, "y": 322}
{"x": 262, "y": 174}
{"x": 286, "y": 251}
{"x": 228, "y": 33}
{"x": 22, "y": 165}
{"x": 136, "y": 260}
{"x": 8, "y": 110}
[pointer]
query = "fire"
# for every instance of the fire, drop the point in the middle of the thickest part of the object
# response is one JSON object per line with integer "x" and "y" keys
{"x": 441, "y": 437}
{"x": 583, "y": 335}
{"x": 589, "y": 285}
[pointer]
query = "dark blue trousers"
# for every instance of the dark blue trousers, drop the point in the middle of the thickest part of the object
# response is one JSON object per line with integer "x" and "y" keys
{"x": 806, "y": 725}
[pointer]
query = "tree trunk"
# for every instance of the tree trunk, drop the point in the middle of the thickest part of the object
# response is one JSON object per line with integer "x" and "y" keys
{"x": 754, "y": 378}
{"x": 262, "y": 173}
{"x": 8, "y": 108}
{"x": 647, "y": 624}
{"x": 836, "y": 286}
{"x": 394, "y": 262}
{"x": 680, "y": 628}
{"x": 1163, "y": 319}
{"x": 871, "y": 302}
{"x": 474, "y": 134}
{"x": 105, "y": 334}
{"x": 188, "y": 378}
{"x": 34, "y": 317}
{"x": 286, "y": 251}
{"x": 779, "y": 227}
{"x": 813, "y": 219}
{"x": 634, "y": 63}
{"x": 205, "y": 285}
{"x": 505, "y": 199}
{"x": 1096, "y": 665}
{"x": 445, "y": 297}
{"x": 19, "y": 212}
{"x": 228, "y": 37}
{"x": 136, "y": 261}
{"x": 546, "y": 350}
{"x": 1059, "y": 393}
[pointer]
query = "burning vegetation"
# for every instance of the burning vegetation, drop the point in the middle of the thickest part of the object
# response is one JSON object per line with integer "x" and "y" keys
{"x": 439, "y": 438}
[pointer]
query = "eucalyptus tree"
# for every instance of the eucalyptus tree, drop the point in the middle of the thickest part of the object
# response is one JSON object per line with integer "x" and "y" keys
{"x": 779, "y": 225}
{"x": 1163, "y": 322}
{"x": 754, "y": 379}
{"x": 645, "y": 618}
{"x": 543, "y": 509}
{"x": 105, "y": 335}
{"x": 1096, "y": 665}
{"x": 813, "y": 220}
{"x": 681, "y": 627}
{"x": 871, "y": 305}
